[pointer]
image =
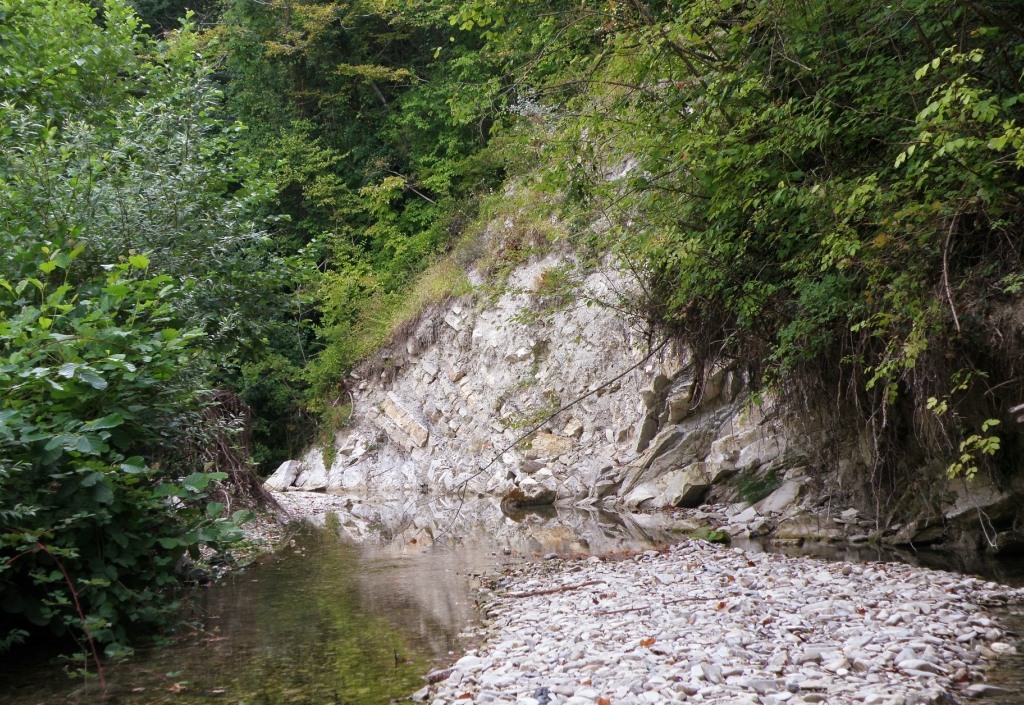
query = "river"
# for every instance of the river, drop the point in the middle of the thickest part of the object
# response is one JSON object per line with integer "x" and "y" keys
{"x": 326, "y": 622}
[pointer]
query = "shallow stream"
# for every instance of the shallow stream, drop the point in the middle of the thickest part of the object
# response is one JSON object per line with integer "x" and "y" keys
{"x": 323, "y": 622}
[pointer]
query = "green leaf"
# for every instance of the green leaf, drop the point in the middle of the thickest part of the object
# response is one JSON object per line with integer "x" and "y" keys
{"x": 134, "y": 465}
{"x": 197, "y": 482}
{"x": 109, "y": 421}
{"x": 103, "y": 494}
{"x": 92, "y": 379}
{"x": 139, "y": 261}
{"x": 91, "y": 479}
{"x": 998, "y": 143}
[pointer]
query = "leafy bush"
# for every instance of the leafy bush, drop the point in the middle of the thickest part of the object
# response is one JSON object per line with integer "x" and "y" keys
{"x": 97, "y": 394}
{"x": 135, "y": 283}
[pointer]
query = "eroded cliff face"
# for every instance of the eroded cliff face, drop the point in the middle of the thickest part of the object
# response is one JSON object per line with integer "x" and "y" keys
{"x": 446, "y": 417}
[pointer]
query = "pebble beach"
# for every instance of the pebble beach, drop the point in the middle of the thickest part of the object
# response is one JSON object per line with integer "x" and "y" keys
{"x": 701, "y": 622}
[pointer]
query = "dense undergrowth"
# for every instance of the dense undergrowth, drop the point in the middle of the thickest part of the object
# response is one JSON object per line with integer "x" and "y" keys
{"x": 203, "y": 233}
{"x": 134, "y": 274}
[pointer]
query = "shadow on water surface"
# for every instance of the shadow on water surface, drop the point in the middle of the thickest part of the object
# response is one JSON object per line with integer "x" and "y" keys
{"x": 326, "y": 622}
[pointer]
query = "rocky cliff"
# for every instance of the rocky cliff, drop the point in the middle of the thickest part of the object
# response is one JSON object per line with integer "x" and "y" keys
{"x": 495, "y": 397}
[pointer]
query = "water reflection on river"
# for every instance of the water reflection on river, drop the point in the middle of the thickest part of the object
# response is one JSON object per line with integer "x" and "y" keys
{"x": 324, "y": 622}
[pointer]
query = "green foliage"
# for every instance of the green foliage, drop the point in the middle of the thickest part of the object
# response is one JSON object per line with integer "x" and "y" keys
{"x": 375, "y": 138}
{"x": 135, "y": 285}
{"x": 711, "y": 535}
{"x": 96, "y": 395}
{"x": 825, "y": 193}
{"x": 161, "y": 173}
{"x": 161, "y": 16}
{"x": 65, "y": 73}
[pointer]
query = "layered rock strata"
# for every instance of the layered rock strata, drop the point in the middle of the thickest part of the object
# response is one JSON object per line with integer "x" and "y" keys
{"x": 444, "y": 413}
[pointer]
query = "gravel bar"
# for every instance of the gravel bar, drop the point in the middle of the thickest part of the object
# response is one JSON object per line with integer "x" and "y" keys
{"x": 706, "y": 623}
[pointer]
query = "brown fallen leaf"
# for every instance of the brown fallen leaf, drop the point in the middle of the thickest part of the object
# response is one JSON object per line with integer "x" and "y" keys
{"x": 603, "y": 701}
{"x": 649, "y": 641}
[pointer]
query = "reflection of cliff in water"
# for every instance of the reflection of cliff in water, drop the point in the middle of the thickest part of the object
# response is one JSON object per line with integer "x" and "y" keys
{"x": 325, "y": 620}
{"x": 415, "y": 525}
{"x": 424, "y": 580}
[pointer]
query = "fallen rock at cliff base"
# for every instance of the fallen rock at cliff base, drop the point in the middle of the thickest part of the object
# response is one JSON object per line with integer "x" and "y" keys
{"x": 529, "y": 493}
{"x": 781, "y": 499}
{"x": 284, "y": 476}
{"x": 689, "y": 486}
{"x": 809, "y": 527}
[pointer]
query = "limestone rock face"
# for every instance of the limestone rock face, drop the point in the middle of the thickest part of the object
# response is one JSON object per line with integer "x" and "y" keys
{"x": 449, "y": 411}
{"x": 453, "y": 411}
{"x": 407, "y": 421}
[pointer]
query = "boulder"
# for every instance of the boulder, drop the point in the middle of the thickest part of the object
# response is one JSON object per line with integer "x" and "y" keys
{"x": 688, "y": 486}
{"x": 979, "y": 494}
{"x": 284, "y": 476}
{"x": 781, "y": 499}
{"x": 644, "y": 495}
{"x": 529, "y": 493}
{"x": 312, "y": 475}
{"x": 919, "y": 532}
{"x": 680, "y": 406}
{"x": 746, "y": 516}
{"x": 573, "y": 429}
{"x": 1009, "y": 543}
{"x": 529, "y": 467}
{"x": 809, "y": 527}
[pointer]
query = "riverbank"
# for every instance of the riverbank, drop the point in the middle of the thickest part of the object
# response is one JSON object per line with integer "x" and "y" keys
{"x": 704, "y": 623}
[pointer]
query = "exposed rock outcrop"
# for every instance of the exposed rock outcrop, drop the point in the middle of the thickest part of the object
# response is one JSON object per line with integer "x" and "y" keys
{"x": 467, "y": 405}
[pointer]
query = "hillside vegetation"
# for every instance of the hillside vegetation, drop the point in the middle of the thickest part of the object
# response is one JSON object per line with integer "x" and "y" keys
{"x": 205, "y": 226}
